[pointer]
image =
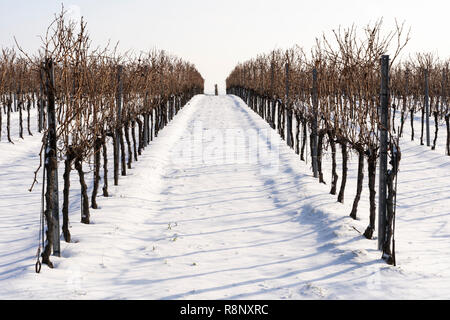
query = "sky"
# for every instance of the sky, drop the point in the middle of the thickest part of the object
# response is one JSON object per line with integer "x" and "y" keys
{"x": 216, "y": 35}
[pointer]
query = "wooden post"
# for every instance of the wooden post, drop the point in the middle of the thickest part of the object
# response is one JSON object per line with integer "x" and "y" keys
{"x": 427, "y": 106}
{"x": 272, "y": 99}
{"x": 15, "y": 101}
{"x": 51, "y": 157}
{"x": 384, "y": 123}
{"x": 216, "y": 91}
{"x": 405, "y": 99}
{"x": 447, "y": 111}
{"x": 315, "y": 102}
{"x": 41, "y": 103}
{"x": 118, "y": 126}
{"x": 119, "y": 94}
{"x": 288, "y": 111}
{"x": 53, "y": 142}
{"x": 146, "y": 122}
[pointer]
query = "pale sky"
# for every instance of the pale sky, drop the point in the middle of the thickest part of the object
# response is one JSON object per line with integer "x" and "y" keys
{"x": 216, "y": 35}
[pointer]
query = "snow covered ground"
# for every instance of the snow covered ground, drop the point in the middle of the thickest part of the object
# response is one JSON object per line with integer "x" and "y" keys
{"x": 218, "y": 207}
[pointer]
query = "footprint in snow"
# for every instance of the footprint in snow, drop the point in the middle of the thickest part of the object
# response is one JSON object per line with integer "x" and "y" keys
{"x": 264, "y": 286}
{"x": 312, "y": 289}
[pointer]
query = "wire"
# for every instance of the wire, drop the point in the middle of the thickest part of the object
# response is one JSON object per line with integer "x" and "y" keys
{"x": 395, "y": 200}
{"x": 38, "y": 264}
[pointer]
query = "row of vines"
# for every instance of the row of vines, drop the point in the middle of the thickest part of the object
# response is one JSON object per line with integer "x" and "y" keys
{"x": 333, "y": 95}
{"x": 85, "y": 98}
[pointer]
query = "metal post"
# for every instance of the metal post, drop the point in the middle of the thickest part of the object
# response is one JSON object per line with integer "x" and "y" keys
{"x": 427, "y": 106}
{"x": 383, "y": 129}
{"x": 315, "y": 102}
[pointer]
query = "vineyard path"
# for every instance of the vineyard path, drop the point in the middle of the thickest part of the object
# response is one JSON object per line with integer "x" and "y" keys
{"x": 218, "y": 207}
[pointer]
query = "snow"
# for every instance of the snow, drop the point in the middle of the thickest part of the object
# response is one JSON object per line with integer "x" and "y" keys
{"x": 218, "y": 207}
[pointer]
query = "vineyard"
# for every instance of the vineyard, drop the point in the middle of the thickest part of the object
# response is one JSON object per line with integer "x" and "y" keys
{"x": 272, "y": 190}
{"x": 334, "y": 98}
{"x": 84, "y": 97}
